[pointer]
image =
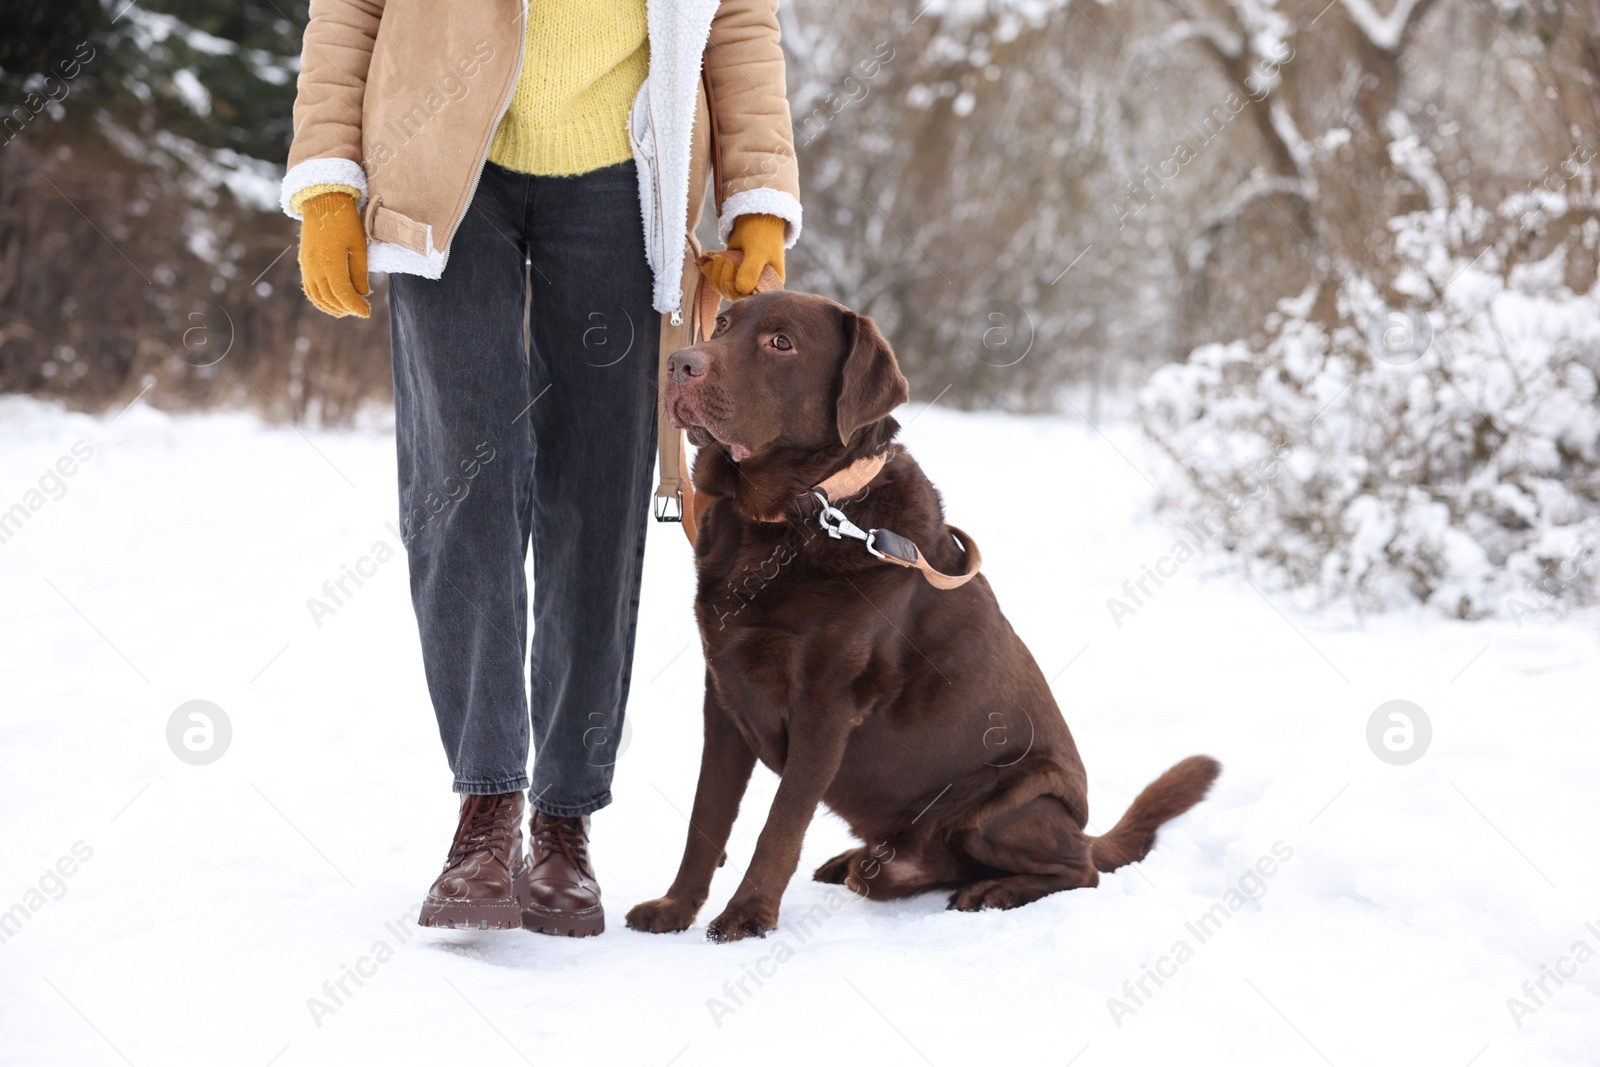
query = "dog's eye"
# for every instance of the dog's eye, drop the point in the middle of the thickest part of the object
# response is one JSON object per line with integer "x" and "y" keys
{"x": 781, "y": 343}
{"x": 722, "y": 324}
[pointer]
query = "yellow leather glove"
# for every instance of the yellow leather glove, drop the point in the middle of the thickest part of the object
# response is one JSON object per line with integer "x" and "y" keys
{"x": 333, "y": 255}
{"x": 760, "y": 238}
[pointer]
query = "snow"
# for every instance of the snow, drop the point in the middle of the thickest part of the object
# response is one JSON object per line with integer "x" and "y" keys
{"x": 1382, "y": 914}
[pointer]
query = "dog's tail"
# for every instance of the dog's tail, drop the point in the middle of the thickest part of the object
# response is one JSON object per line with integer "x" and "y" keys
{"x": 1182, "y": 787}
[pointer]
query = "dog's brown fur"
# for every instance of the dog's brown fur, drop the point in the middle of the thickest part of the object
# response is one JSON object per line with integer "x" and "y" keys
{"x": 916, "y": 714}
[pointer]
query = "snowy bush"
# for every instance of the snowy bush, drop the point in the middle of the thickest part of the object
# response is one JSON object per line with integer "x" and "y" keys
{"x": 1442, "y": 446}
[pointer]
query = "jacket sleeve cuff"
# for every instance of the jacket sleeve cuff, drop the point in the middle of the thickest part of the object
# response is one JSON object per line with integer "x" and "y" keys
{"x": 298, "y": 201}
{"x": 761, "y": 202}
{"x": 333, "y": 171}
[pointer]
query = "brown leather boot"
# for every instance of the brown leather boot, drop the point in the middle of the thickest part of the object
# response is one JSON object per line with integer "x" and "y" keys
{"x": 564, "y": 897}
{"x": 484, "y": 885}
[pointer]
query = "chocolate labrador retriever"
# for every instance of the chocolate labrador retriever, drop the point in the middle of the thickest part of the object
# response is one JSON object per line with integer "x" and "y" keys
{"x": 910, "y": 708}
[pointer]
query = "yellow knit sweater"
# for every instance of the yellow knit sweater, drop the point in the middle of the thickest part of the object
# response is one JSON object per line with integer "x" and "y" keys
{"x": 584, "y": 63}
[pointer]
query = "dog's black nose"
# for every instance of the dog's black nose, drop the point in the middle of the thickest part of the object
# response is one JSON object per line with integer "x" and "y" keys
{"x": 684, "y": 364}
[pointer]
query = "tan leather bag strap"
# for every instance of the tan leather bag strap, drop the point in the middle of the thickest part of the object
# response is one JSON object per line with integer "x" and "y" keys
{"x": 673, "y": 489}
{"x": 703, "y": 309}
{"x": 675, "y": 496}
{"x": 716, "y": 138}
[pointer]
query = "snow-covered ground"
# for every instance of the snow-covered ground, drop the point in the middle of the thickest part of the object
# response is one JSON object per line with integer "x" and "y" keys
{"x": 158, "y": 912}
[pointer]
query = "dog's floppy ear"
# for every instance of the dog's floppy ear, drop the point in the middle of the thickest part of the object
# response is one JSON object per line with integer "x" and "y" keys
{"x": 870, "y": 385}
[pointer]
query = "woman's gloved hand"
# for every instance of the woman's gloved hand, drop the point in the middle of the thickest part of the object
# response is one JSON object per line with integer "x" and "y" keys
{"x": 333, "y": 255}
{"x": 760, "y": 238}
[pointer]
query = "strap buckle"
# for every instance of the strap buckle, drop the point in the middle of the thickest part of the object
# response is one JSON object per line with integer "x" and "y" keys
{"x": 669, "y": 508}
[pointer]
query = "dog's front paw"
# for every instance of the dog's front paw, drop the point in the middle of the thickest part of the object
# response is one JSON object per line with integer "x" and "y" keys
{"x": 664, "y": 915}
{"x": 739, "y": 921}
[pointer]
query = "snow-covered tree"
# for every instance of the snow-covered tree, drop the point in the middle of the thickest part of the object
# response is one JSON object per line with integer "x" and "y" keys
{"x": 1432, "y": 368}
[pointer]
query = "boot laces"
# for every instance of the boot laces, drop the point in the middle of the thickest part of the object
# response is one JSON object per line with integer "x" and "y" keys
{"x": 565, "y": 836}
{"x": 483, "y": 829}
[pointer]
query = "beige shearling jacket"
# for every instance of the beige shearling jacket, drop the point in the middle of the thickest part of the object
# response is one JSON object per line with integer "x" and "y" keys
{"x": 401, "y": 98}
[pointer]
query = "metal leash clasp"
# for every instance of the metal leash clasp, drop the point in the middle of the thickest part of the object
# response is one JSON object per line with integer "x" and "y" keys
{"x": 838, "y": 525}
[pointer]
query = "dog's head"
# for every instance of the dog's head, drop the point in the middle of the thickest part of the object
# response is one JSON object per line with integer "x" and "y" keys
{"x": 784, "y": 371}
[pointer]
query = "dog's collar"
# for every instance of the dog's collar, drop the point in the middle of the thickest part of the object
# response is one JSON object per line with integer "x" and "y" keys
{"x": 840, "y": 485}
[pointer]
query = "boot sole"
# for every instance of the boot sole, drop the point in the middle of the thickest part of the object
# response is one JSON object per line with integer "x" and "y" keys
{"x": 585, "y": 923}
{"x": 462, "y": 915}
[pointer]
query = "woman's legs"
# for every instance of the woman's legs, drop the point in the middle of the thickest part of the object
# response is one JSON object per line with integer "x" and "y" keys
{"x": 497, "y": 445}
{"x": 465, "y": 463}
{"x": 592, "y": 379}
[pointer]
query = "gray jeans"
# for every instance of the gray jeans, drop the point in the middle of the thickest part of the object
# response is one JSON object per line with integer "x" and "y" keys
{"x": 553, "y": 441}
